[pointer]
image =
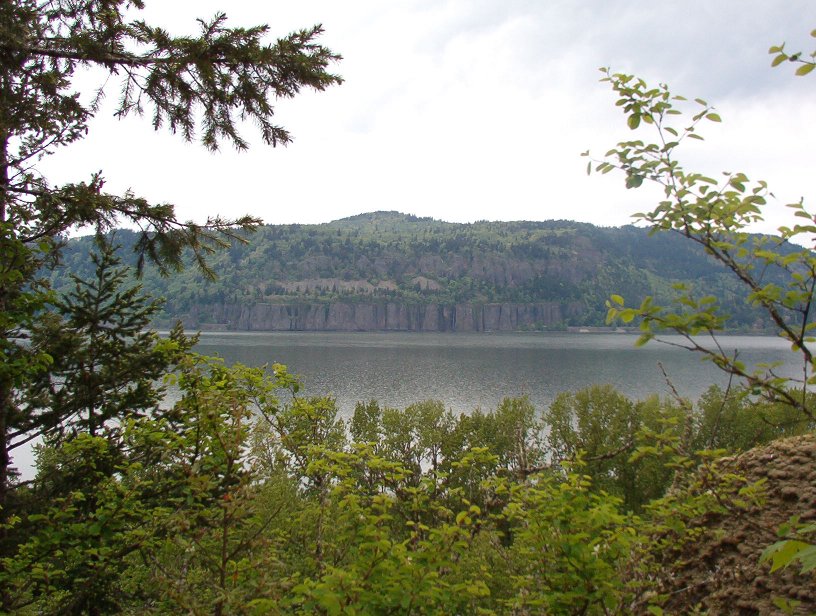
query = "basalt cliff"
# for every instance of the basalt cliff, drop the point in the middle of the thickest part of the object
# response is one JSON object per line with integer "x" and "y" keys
{"x": 382, "y": 316}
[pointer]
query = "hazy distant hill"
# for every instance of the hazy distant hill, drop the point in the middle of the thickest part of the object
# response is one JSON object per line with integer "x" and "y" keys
{"x": 391, "y": 271}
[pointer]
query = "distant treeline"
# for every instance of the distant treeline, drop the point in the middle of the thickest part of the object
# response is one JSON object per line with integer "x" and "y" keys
{"x": 400, "y": 259}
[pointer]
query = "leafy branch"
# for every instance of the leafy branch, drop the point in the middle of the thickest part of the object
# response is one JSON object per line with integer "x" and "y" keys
{"x": 715, "y": 214}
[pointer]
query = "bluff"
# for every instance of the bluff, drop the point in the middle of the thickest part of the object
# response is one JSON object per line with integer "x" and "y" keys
{"x": 391, "y": 271}
{"x": 383, "y": 316}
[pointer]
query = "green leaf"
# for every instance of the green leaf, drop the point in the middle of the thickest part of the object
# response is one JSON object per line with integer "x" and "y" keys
{"x": 779, "y": 59}
{"x": 808, "y": 559}
{"x": 787, "y": 606}
{"x": 783, "y": 553}
{"x": 714, "y": 117}
{"x": 330, "y": 603}
{"x": 617, "y": 299}
{"x": 634, "y": 181}
{"x": 805, "y": 69}
{"x": 633, "y": 121}
{"x": 611, "y": 315}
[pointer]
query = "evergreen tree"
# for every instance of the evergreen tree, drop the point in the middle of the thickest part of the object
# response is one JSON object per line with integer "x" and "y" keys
{"x": 106, "y": 363}
{"x": 200, "y": 86}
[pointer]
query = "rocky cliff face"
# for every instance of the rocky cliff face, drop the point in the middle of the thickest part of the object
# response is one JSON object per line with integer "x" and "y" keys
{"x": 380, "y": 316}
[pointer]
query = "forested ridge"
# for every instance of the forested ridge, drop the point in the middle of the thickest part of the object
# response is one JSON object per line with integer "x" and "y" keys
{"x": 389, "y": 257}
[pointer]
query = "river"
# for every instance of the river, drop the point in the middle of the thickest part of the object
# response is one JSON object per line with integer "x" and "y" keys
{"x": 468, "y": 371}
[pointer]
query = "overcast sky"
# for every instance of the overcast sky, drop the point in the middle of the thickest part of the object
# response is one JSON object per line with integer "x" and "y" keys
{"x": 468, "y": 110}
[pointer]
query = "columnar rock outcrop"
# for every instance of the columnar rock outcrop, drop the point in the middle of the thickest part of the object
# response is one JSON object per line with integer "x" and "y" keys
{"x": 380, "y": 316}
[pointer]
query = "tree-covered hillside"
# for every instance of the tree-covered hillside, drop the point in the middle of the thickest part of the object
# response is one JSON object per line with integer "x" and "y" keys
{"x": 392, "y": 258}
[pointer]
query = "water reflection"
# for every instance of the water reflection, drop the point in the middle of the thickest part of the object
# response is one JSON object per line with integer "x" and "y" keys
{"x": 468, "y": 371}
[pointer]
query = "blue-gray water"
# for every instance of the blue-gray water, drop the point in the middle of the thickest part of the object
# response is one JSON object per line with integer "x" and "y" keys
{"x": 468, "y": 371}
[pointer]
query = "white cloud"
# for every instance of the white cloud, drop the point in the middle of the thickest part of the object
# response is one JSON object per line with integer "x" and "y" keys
{"x": 475, "y": 109}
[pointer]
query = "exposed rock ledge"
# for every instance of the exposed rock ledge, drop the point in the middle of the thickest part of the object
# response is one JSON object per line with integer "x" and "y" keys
{"x": 380, "y": 316}
{"x": 720, "y": 570}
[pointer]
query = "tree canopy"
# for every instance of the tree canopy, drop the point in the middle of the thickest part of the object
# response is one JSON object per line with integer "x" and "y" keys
{"x": 203, "y": 87}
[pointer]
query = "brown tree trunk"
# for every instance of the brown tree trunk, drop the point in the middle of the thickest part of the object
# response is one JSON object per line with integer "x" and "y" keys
{"x": 5, "y": 382}
{"x": 6, "y": 405}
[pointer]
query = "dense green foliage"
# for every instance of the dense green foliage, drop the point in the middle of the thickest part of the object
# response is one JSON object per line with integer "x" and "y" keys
{"x": 391, "y": 257}
{"x": 76, "y": 370}
{"x": 233, "y": 502}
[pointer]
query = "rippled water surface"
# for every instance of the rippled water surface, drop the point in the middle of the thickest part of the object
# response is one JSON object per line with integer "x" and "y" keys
{"x": 468, "y": 371}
